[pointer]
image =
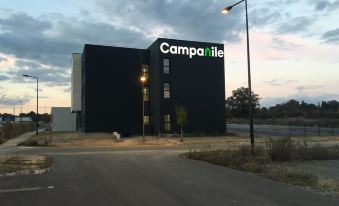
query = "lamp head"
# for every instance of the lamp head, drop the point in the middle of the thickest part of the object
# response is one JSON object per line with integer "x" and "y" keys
{"x": 143, "y": 78}
{"x": 226, "y": 9}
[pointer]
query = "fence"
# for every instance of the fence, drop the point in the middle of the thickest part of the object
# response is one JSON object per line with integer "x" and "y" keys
{"x": 286, "y": 130}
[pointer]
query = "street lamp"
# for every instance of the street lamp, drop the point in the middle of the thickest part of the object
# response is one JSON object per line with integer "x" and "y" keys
{"x": 20, "y": 110}
{"x": 37, "y": 101}
{"x": 225, "y": 11}
{"x": 143, "y": 80}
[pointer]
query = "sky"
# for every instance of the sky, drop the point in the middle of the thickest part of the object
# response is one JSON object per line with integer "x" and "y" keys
{"x": 294, "y": 44}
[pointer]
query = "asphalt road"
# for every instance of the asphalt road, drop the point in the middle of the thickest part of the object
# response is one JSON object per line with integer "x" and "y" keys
{"x": 283, "y": 130}
{"x": 147, "y": 177}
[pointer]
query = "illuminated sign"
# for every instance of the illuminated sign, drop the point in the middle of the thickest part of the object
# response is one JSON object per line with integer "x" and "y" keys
{"x": 191, "y": 51}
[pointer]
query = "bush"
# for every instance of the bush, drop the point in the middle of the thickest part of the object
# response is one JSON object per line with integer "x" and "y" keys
{"x": 285, "y": 150}
{"x": 239, "y": 159}
{"x": 280, "y": 149}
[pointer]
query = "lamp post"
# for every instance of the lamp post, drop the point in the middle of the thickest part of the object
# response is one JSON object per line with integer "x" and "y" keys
{"x": 143, "y": 80}
{"x": 20, "y": 111}
{"x": 225, "y": 11}
{"x": 37, "y": 101}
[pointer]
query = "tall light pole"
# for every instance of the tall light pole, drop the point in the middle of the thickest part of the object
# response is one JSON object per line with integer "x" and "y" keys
{"x": 225, "y": 11}
{"x": 20, "y": 111}
{"x": 37, "y": 102}
{"x": 143, "y": 80}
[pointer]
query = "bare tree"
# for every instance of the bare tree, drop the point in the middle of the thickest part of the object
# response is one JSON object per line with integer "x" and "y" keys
{"x": 181, "y": 115}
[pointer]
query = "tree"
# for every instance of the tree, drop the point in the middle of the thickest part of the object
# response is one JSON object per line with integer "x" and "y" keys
{"x": 238, "y": 104}
{"x": 181, "y": 115}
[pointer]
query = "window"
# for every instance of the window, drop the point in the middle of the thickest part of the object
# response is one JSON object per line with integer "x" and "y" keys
{"x": 145, "y": 93}
{"x": 166, "y": 66}
{"x": 167, "y": 122}
{"x": 146, "y": 120}
{"x": 167, "y": 90}
{"x": 145, "y": 71}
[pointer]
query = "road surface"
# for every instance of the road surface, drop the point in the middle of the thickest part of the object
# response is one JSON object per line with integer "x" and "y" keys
{"x": 145, "y": 176}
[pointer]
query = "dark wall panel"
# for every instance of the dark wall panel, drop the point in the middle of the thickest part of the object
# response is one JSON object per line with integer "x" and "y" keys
{"x": 112, "y": 96}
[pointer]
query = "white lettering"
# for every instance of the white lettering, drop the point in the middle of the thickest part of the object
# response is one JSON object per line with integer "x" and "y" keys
{"x": 182, "y": 50}
{"x": 162, "y": 47}
{"x": 200, "y": 52}
{"x": 191, "y": 51}
{"x": 174, "y": 50}
{"x": 220, "y": 53}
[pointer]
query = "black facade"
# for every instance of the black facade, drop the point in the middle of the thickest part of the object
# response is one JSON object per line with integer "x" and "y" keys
{"x": 178, "y": 72}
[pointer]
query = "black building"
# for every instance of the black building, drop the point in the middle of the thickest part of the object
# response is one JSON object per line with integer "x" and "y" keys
{"x": 177, "y": 72}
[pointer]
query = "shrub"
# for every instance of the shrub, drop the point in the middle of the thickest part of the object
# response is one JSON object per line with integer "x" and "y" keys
{"x": 280, "y": 149}
{"x": 285, "y": 150}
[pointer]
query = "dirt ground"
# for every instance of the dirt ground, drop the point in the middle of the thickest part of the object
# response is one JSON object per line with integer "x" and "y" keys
{"x": 76, "y": 139}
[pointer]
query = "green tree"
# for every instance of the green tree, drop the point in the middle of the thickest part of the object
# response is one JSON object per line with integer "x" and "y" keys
{"x": 238, "y": 104}
{"x": 181, "y": 115}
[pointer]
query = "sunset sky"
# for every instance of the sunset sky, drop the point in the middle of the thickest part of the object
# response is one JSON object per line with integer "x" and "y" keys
{"x": 294, "y": 43}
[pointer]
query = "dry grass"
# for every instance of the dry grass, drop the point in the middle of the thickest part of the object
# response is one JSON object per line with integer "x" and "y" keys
{"x": 75, "y": 139}
{"x": 268, "y": 162}
{"x": 23, "y": 163}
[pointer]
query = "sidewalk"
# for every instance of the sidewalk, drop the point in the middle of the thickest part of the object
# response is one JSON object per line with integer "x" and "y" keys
{"x": 15, "y": 141}
{"x": 10, "y": 146}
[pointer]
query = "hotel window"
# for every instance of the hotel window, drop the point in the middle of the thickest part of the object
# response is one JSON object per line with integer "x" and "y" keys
{"x": 167, "y": 90}
{"x": 167, "y": 122}
{"x": 145, "y": 93}
{"x": 146, "y": 120}
{"x": 145, "y": 71}
{"x": 166, "y": 66}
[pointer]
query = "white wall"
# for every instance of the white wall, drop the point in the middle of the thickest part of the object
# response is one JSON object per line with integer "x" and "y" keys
{"x": 63, "y": 119}
{"x": 76, "y": 83}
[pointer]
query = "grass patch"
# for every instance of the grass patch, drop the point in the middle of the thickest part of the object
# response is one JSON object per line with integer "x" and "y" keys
{"x": 267, "y": 161}
{"x": 24, "y": 164}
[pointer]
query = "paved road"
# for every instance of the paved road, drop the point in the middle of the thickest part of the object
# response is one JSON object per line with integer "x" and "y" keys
{"x": 147, "y": 177}
{"x": 283, "y": 130}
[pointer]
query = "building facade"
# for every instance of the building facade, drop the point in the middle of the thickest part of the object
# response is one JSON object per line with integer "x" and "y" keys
{"x": 177, "y": 72}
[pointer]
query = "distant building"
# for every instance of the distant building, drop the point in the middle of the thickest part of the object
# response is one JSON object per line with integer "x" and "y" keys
{"x": 15, "y": 119}
{"x": 62, "y": 119}
{"x": 107, "y": 91}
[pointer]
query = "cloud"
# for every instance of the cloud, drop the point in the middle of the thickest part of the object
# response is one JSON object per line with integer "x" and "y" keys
{"x": 15, "y": 100}
{"x": 277, "y": 82}
{"x": 331, "y": 36}
{"x": 3, "y": 59}
{"x": 49, "y": 76}
{"x": 324, "y": 5}
{"x": 200, "y": 20}
{"x": 273, "y": 82}
{"x": 51, "y": 39}
{"x": 295, "y": 24}
{"x": 308, "y": 88}
{"x": 68, "y": 89}
{"x": 270, "y": 101}
{"x": 281, "y": 44}
{"x": 264, "y": 16}
{"x": 3, "y": 77}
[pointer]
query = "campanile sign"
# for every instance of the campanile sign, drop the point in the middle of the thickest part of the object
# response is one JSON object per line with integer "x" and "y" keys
{"x": 213, "y": 51}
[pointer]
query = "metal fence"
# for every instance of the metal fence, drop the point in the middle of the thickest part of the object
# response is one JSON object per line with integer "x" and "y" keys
{"x": 285, "y": 130}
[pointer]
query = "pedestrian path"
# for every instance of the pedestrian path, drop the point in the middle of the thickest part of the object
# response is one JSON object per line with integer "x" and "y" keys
{"x": 15, "y": 141}
{"x": 10, "y": 146}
